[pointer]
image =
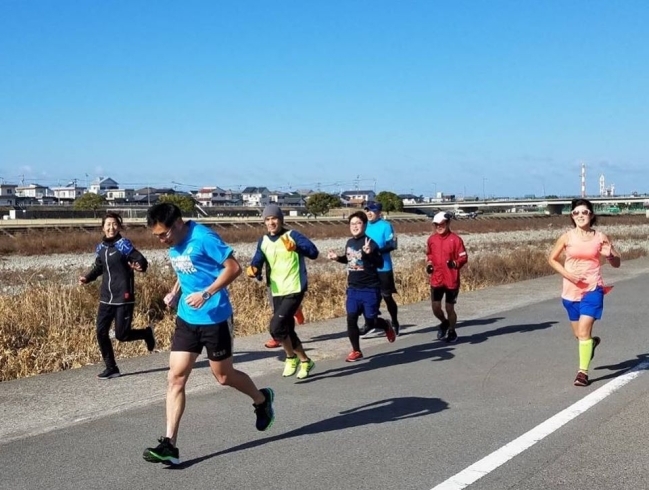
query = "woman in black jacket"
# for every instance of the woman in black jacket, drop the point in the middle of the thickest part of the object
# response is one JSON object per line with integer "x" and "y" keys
{"x": 115, "y": 261}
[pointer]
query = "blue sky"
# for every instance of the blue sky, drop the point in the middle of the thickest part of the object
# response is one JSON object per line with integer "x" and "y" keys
{"x": 505, "y": 97}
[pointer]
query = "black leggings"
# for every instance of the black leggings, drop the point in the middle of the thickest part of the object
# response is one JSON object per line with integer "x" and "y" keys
{"x": 123, "y": 316}
{"x": 282, "y": 324}
{"x": 352, "y": 328}
{"x": 393, "y": 309}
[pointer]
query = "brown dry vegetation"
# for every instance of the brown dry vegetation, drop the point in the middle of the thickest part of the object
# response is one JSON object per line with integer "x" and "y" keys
{"x": 52, "y": 240}
{"x": 50, "y": 326}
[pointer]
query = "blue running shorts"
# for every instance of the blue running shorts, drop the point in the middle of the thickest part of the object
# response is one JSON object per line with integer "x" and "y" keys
{"x": 591, "y": 304}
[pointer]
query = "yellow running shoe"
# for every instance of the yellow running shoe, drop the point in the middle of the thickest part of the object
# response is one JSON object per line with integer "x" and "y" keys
{"x": 290, "y": 366}
{"x": 305, "y": 369}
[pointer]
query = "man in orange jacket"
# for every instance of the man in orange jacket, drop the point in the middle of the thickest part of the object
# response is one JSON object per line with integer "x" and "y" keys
{"x": 445, "y": 256}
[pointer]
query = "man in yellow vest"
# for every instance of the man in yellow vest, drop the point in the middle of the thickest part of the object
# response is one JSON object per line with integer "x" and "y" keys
{"x": 282, "y": 251}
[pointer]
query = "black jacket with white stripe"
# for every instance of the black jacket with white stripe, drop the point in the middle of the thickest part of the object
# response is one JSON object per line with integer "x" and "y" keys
{"x": 112, "y": 262}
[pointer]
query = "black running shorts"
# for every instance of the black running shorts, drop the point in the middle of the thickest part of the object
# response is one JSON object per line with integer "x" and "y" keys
{"x": 388, "y": 287}
{"x": 437, "y": 293}
{"x": 217, "y": 339}
{"x": 284, "y": 308}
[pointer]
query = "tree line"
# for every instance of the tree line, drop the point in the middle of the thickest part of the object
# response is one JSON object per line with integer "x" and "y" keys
{"x": 317, "y": 204}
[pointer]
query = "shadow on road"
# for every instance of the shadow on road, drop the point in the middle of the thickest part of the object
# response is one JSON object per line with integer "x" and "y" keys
{"x": 478, "y": 338}
{"x": 379, "y": 412}
{"x": 436, "y": 350}
{"x": 460, "y": 324}
{"x": 343, "y": 334}
{"x": 245, "y": 356}
{"x": 145, "y": 371}
{"x": 479, "y": 321}
{"x": 420, "y": 352}
{"x": 620, "y": 368}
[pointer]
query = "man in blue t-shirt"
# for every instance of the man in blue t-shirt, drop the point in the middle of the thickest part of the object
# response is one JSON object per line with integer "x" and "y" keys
{"x": 381, "y": 231}
{"x": 204, "y": 267}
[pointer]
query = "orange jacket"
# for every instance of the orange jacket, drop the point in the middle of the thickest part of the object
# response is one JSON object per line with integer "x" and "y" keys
{"x": 439, "y": 250}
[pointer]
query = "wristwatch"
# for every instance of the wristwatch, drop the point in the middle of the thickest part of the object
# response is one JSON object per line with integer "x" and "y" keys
{"x": 206, "y": 295}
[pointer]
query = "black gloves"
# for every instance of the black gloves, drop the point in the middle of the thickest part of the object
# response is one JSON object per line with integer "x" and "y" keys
{"x": 450, "y": 263}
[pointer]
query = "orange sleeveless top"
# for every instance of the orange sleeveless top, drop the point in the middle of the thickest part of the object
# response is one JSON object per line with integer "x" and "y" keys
{"x": 582, "y": 258}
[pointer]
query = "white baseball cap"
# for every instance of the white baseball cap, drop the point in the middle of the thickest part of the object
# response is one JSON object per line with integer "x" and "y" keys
{"x": 440, "y": 217}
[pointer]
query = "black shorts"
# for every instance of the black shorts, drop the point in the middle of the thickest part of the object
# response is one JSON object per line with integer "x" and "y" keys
{"x": 388, "y": 288}
{"x": 283, "y": 321}
{"x": 437, "y": 293}
{"x": 217, "y": 339}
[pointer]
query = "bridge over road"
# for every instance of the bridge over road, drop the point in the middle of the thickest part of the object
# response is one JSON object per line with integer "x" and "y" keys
{"x": 550, "y": 206}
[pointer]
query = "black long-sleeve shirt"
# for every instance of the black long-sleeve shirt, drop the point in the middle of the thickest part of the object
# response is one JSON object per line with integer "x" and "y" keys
{"x": 112, "y": 260}
{"x": 362, "y": 268}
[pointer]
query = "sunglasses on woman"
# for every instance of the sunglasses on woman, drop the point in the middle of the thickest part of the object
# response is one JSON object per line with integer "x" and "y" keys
{"x": 583, "y": 212}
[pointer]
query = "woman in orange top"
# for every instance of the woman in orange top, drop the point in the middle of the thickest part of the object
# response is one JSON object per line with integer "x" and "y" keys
{"x": 583, "y": 286}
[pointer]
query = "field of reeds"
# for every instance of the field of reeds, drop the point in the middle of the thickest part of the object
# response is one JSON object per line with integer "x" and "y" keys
{"x": 47, "y": 321}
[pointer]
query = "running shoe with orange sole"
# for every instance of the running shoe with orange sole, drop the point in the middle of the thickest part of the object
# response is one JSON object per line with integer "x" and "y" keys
{"x": 272, "y": 344}
{"x": 354, "y": 356}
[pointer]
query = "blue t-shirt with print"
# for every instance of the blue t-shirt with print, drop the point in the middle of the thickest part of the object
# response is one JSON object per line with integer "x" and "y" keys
{"x": 382, "y": 233}
{"x": 198, "y": 261}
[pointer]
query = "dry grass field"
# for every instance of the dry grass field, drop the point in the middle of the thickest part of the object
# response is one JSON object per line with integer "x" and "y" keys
{"x": 47, "y": 323}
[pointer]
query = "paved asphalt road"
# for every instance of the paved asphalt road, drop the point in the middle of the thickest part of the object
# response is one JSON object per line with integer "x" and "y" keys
{"x": 410, "y": 416}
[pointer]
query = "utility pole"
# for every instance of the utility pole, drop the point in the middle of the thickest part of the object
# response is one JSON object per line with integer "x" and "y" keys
{"x": 484, "y": 195}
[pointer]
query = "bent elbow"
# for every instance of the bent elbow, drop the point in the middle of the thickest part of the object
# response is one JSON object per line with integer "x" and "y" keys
{"x": 236, "y": 270}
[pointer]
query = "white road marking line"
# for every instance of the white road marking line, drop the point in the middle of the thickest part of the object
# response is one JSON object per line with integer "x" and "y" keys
{"x": 499, "y": 457}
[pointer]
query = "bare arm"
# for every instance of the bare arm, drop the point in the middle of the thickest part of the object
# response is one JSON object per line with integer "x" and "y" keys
{"x": 231, "y": 270}
{"x": 611, "y": 254}
{"x": 553, "y": 259}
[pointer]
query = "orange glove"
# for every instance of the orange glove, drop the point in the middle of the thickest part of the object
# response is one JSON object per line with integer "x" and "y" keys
{"x": 289, "y": 244}
{"x": 252, "y": 272}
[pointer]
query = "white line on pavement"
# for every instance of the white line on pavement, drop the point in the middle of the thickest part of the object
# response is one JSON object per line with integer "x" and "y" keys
{"x": 489, "y": 463}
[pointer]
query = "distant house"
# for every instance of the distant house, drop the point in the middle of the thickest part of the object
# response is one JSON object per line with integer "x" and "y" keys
{"x": 119, "y": 195}
{"x": 8, "y": 194}
{"x": 36, "y": 191}
{"x": 214, "y": 196}
{"x": 68, "y": 193}
{"x": 145, "y": 191}
{"x": 357, "y": 198}
{"x": 145, "y": 199}
{"x": 276, "y": 197}
{"x": 150, "y": 195}
{"x": 235, "y": 197}
{"x": 102, "y": 184}
{"x": 255, "y": 196}
{"x": 294, "y": 199}
{"x": 410, "y": 198}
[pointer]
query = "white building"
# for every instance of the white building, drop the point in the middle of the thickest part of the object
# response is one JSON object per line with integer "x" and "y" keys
{"x": 102, "y": 184}
{"x": 119, "y": 194}
{"x": 357, "y": 197}
{"x": 36, "y": 191}
{"x": 68, "y": 193}
{"x": 213, "y": 196}
{"x": 8, "y": 194}
{"x": 255, "y": 196}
